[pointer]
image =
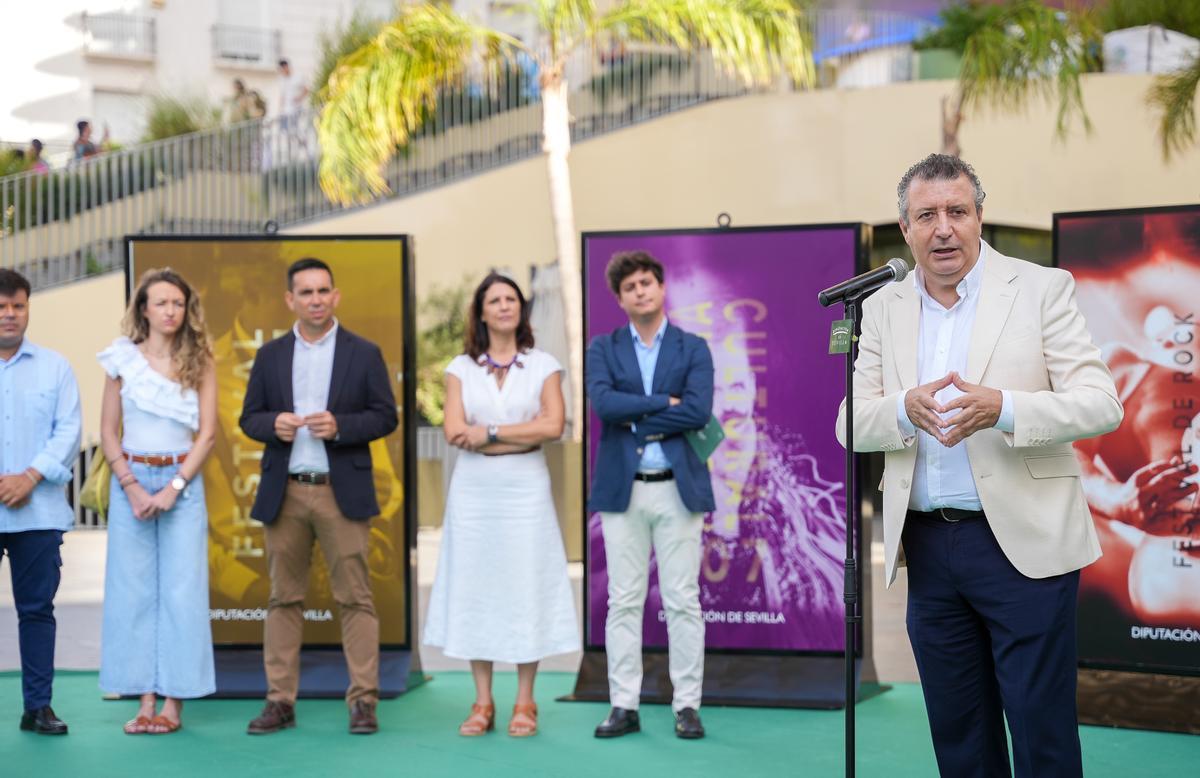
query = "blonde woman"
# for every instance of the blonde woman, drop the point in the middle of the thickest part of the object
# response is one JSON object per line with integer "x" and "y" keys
{"x": 157, "y": 425}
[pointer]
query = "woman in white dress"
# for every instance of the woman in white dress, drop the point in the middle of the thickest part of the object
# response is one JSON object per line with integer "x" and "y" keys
{"x": 157, "y": 425}
{"x": 502, "y": 593}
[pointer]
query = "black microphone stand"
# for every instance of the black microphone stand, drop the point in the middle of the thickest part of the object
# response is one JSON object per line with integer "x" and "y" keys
{"x": 850, "y": 293}
{"x": 850, "y": 588}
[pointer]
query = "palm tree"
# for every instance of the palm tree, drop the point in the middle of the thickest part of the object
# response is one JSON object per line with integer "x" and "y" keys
{"x": 1019, "y": 51}
{"x": 375, "y": 98}
{"x": 1173, "y": 96}
{"x": 1022, "y": 50}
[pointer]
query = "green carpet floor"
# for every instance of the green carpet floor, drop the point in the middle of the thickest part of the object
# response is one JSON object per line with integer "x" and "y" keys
{"x": 418, "y": 738}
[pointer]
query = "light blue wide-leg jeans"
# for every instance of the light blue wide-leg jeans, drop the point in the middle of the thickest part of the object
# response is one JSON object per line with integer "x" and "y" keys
{"x": 156, "y": 635}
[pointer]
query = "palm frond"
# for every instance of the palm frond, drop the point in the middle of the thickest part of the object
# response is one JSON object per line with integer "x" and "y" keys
{"x": 1031, "y": 51}
{"x": 564, "y": 23}
{"x": 754, "y": 39}
{"x": 377, "y": 96}
{"x": 1173, "y": 96}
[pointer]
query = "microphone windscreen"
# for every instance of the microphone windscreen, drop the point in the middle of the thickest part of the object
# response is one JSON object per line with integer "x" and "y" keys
{"x": 900, "y": 266}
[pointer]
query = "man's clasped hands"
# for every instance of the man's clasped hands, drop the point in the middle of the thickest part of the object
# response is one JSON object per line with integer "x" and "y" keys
{"x": 977, "y": 408}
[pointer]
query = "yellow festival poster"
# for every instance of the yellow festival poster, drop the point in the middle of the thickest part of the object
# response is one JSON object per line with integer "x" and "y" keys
{"x": 241, "y": 282}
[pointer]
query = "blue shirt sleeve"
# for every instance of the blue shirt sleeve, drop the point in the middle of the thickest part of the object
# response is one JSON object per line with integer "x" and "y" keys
{"x": 56, "y": 459}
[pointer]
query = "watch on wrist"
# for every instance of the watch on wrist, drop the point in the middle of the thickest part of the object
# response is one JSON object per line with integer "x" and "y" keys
{"x": 179, "y": 483}
{"x": 493, "y": 431}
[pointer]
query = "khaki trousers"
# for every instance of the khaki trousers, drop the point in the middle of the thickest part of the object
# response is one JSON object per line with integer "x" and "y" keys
{"x": 658, "y": 519}
{"x": 309, "y": 513}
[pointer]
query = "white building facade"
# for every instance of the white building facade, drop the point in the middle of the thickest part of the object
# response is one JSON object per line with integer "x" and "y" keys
{"x": 66, "y": 60}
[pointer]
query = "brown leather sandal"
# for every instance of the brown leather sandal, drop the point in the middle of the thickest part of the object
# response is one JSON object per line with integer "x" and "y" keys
{"x": 164, "y": 726}
{"x": 526, "y": 727}
{"x": 481, "y": 721}
{"x": 138, "y": 726}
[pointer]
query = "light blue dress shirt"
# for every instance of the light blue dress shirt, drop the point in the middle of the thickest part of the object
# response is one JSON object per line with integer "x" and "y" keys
{"x": 312, "y": 370}
{"x": 39, "y": 428}
{"x": 653, "y": 457}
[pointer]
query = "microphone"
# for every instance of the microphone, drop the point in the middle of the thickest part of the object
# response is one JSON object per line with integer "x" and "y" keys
{"x": 895, "y": 270}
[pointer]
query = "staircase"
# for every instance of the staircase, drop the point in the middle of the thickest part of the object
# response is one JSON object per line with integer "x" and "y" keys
{"x": 261, "y": 176}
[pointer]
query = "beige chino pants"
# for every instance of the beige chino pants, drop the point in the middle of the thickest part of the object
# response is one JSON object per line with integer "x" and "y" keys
{"x": 658, "y": 519}
{"x": 310, "y": 513}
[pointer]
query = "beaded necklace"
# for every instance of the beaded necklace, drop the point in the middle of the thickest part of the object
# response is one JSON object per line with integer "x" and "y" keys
{"x": 493, "y": 366}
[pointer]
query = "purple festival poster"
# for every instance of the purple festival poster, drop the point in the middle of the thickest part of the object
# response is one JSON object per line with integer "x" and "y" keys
{"x": 771, "y": 576}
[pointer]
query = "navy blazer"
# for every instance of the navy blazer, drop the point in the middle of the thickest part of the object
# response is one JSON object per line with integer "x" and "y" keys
{"x": 361, "y": 399}
{"x": 614, "y": 386}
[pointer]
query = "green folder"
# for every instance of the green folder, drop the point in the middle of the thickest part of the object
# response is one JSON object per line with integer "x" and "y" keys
{"x": 705, "y": 441}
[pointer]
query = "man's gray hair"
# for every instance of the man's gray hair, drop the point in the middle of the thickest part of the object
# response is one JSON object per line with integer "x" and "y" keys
{"x": 938, "y": 167}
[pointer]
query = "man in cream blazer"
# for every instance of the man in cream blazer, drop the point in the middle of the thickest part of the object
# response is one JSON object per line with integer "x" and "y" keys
{"x": 974, "y": 379}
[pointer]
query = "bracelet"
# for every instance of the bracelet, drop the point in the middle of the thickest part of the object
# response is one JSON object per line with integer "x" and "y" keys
{"x": 126, "y": 480}
{"x": 31, "y": 478}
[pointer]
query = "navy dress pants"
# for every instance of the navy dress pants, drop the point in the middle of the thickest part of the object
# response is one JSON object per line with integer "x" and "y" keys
{"x": 35, "y": 564}
{"x": 991, "y": 644}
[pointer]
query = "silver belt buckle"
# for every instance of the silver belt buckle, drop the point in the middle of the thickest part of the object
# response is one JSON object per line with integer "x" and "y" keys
{"x": 942, "y": 513}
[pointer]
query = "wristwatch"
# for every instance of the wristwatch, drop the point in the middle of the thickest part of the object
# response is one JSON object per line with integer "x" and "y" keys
{"x": 179, "y": 483}
{"x": 493, "y": 433}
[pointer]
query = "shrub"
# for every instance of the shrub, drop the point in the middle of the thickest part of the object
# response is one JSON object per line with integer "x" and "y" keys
{"x": 171, "y": 116}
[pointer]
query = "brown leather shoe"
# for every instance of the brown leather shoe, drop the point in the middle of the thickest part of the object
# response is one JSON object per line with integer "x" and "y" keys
{"x": 362, "y": 718}
{"x": 274, "y": 717}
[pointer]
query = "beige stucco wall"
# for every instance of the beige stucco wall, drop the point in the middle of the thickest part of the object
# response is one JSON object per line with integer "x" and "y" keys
{"x": 785, "y": 158}
{"x": 78, "y": 320}
{"x": 790, "y": 158}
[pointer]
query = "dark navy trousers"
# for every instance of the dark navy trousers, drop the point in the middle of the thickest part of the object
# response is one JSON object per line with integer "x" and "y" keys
{"x": 991, "y": 644}
{"x": 35, "y": 564}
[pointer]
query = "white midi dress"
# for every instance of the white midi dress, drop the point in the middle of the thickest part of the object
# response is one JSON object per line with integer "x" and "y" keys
{"x": 501, "y": 592}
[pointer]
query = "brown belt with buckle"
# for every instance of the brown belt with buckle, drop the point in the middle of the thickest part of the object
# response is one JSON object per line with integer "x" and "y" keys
{"x": 315, "y": 479}
{"x": 156, "y": 460}
{"x": 949, "y": 515}
{"x": 511, "y": 453}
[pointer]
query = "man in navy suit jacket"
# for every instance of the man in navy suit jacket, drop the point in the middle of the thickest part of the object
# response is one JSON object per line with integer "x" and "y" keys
{"x": 317, "y": 397}
{"x": 650, "y": 383}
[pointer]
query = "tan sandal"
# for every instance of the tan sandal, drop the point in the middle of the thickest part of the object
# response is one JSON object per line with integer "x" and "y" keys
{"x": 528, "y": 727}
{"x": 163, "y": 726}
{"x": 481, "y": 721}
{"x": 138, "y": 726}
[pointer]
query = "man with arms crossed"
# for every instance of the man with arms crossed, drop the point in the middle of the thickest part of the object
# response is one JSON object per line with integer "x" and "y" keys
{"x": 317, "y": 397}
{"x": 650, "y": 383}
{"x": 39, "y": 442}
{"x": 974, "y": 380}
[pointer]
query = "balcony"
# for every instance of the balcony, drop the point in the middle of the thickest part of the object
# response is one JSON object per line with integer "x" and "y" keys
{"x": 118, "y": 35}
{"x": 245, "y": 47}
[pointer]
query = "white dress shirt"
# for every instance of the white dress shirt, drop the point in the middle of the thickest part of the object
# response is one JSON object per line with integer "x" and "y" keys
{"x": 942, "y": 477}
{"x": 312, "y": 370}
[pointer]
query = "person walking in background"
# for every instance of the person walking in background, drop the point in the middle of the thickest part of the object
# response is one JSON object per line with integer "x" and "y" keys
{"x": 317, "y": 397}
{"x": 292, "y": 94}
{"x": 157, "y": 425}
{"x": 650, "y": 383}
{"x": 34, "y": 158}
{"x": 502, "y": 593}
{"x": 974, "y": 380}
{"x": 84, "y": 148}
{"x": 245, "y": 104}
{"x": 39, "y": 443}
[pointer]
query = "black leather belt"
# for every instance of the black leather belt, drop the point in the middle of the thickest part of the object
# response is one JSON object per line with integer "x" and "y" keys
{"x": 316, "y": 479}
{"x": 950, "y": 515}
{"x": 651, "y": 478}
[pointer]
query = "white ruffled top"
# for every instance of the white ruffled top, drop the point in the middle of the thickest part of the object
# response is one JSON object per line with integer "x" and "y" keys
{"x": 159, "y": 415}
